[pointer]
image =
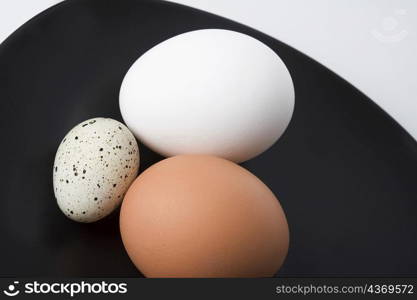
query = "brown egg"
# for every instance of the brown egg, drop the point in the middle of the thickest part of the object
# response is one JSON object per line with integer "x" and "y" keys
{"x": 203, "y": 216}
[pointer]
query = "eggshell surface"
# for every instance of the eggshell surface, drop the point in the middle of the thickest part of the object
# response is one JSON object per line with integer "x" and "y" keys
{"x": 95, "y": 164}
{"x": 210, "y": 91}
{"x": 203, "y": 216}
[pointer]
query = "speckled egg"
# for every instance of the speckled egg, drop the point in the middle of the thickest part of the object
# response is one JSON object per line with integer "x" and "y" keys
{"x": 94, "y": 166}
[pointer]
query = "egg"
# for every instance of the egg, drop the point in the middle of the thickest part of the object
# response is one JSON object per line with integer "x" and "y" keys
{"x": 94, "y": 165}
{"x": 210, "y": 91}
{"x": 203, "y": 216}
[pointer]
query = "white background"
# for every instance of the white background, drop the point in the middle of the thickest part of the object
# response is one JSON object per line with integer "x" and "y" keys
{"x": 370, "y": 43}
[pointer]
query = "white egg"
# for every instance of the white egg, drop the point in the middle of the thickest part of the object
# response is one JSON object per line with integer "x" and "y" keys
{"x": 94, "y": 166}
{"x": 209, "y": 91}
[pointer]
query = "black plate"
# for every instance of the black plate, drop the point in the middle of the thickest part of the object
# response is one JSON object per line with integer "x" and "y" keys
{"x": 344, "y": 171}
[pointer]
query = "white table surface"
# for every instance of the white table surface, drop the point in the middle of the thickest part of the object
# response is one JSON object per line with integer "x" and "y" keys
{"x": 370, "y": 43}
